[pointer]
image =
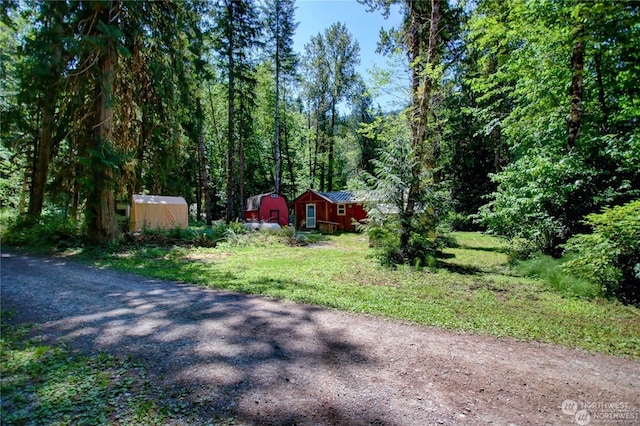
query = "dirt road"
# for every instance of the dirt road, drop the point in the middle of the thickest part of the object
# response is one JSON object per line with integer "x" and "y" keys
{"x": 266, "y": 361}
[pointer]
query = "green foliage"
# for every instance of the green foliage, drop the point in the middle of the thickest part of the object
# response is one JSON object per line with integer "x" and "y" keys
{"x": 48, "y": 231}
{"x": 543, "y": 196}
{"x": 530, "y": 190}
{"x": 520, "y": 104}
{"x": 389, "y": 206}
{"x": 610, "y": 255}
{"x": 550, "y": 270}
{"x": 10, "y": 180}
{"x": 196, "y": 236}
{"x": 458, "y": 221}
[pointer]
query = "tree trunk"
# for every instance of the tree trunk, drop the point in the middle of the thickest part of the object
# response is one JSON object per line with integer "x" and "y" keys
{"x": 421, "y": 92}
{"x": 204, "y": 180}
{"x": 45, "y": 142}
{"x": 102, "y": 225}
{"x": 240, "y": 178}
{"x": 143, "y": 142}
{"x": 26, "y": 178}
{"x": 75, "y": 200}
{"x": 331, "y": 154}
{"x": 42, "y": 159}
{"x": 316, "y": 150}
{"x": 230, "y": 118}
{"x": 322, "y": 152}
{"x": 277, "y": 154}
{"x": 575, "y": 91}
{"x": 290, "y": 167}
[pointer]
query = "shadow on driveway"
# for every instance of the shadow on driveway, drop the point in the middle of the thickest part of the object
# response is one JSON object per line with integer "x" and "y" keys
{"x": 258, "y": 360}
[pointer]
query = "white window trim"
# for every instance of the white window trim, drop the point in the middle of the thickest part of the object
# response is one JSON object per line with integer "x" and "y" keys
{"x": 344, "y": 209}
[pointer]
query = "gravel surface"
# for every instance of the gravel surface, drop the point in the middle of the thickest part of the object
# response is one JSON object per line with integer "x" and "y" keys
{"x": 265, "y": 361}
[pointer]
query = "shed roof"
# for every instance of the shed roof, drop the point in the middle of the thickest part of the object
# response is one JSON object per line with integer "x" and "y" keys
{"x": 342, "y": 197}
{"x": 253, "y": 203}
{"x": 157, "y": 199}
{"x": 339, "y": 196}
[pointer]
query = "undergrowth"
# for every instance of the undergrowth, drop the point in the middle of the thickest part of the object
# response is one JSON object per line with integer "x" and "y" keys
{"x": 50, "y": 231}
{"x": 552, "y": 274}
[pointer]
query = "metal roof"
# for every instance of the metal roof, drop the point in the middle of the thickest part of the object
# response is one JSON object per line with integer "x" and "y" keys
{"x": 339, "y": 196}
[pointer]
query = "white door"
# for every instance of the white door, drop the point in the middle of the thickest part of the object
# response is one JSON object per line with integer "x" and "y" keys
{"x": 311, "y": 215}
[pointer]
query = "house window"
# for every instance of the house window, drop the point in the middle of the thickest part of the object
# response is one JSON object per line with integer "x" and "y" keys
{"x": 341, "y": 210}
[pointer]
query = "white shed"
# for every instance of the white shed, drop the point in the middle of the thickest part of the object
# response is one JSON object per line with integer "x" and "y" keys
{"x": 157, "y": 211}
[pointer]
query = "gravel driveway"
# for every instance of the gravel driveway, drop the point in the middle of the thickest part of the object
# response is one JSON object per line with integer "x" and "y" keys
{"x": 266, "y": 361}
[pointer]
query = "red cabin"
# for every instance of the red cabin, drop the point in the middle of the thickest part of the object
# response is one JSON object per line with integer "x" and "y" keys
{"x": 270, "y": 208}
{"x": 328, "y": 211}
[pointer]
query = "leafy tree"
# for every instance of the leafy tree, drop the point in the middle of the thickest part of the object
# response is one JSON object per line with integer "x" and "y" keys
{"x": 316, "y": 92}
{"x": 421, "y": 37}
{"x": 568, "y": 158}
{"x": 330, "y": 75}
{"x": 343, "y": 54}
{"x": 363, "y": 113}
{"x": 237, "y": 33}
{"x": 279, "y": 15}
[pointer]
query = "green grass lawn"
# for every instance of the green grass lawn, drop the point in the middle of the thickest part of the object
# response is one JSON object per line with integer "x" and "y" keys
{"x": 475, "y": 289}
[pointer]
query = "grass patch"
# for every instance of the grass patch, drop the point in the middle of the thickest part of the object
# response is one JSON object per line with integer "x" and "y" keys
{"x": 50, "y": 385}
{"x": 475, "y": 290}
{"x": 549, "y": 270}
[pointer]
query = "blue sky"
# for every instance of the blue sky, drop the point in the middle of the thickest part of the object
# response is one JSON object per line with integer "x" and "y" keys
{"x": 314, "y": 16}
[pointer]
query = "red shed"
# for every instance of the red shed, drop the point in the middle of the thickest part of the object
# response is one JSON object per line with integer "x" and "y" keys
{"x": 270, "y": 207}
{"x": 328, "y": 211}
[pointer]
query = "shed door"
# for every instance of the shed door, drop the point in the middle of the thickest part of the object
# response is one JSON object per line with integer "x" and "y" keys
{"x": 311, "y": 215}
{"x": 274, "y": 216}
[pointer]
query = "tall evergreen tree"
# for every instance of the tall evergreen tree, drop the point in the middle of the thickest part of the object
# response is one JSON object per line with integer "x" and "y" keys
{"x": 343, "y": 55}
{"x": 99, "y": 27}
{"x": 48, "y": 77}
{"x": 281, "y": 28}
{"x": 421, "y": 37}
{"x": 237, "y": 33}
{"x": 330, "y": 61}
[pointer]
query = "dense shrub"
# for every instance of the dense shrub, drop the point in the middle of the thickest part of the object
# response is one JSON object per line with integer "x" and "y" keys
{"x": 198, "y": 236}
{"x": 422, "y": 250}
{"x": 460, "y": 222}
{"x": 51, "y": 230}
{"x": 610, "y": 255}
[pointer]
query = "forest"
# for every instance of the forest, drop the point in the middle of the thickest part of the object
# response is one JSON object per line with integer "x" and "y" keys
{"x": 521, "y": 117}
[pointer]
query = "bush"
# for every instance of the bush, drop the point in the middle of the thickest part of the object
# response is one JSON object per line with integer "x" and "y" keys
{"x": 460, "y": 222}
{"x": 421, "y": 250}
{"x": 522, "y": 249}
{"x": 610, "y": 255}
{"x": 291, "y": 237}
{"x": 50, "y": 231}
